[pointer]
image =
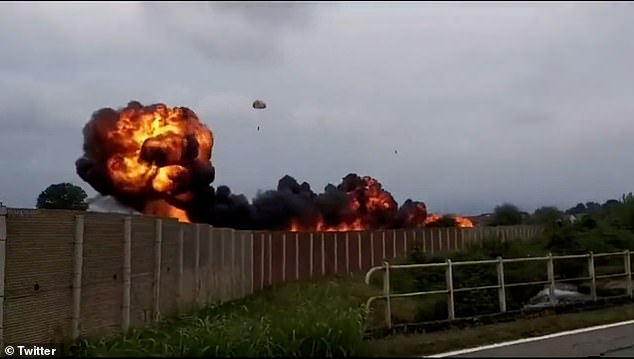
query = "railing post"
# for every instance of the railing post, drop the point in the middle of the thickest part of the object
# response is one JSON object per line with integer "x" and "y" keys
{"x": 550, "y": 266}
{"x": 502, "y": 289}
{"x": 593, "y": 277}
{"x": 386, "y": 293}
{"x": 450, "y": 299}
{"x": 628, "y": 273}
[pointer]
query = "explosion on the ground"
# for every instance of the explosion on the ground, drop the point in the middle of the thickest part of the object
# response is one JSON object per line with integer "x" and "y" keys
{"x": 152, "y": 158}
{"x": 157, "y": 160}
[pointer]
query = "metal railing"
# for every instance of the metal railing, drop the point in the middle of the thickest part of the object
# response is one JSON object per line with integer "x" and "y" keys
{"x": 501, "y": 286}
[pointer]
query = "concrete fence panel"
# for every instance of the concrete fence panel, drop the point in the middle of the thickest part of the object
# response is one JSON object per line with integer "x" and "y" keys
{"x": 66, "y": 274}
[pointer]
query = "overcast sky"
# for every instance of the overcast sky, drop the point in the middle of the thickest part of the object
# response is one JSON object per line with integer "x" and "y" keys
{"x": 530, "y": 103}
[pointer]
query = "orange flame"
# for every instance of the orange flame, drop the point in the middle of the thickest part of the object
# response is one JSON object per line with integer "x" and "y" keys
{"x": 153, "y": 145}
{"x": 357, "y": 225}
{"x": 462, "y": 222}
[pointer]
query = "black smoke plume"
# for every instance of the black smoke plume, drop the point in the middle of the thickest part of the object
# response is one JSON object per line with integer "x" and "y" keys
{"x": 111, "y": 140}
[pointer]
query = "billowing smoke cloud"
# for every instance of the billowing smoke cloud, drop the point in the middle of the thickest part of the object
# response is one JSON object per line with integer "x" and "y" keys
{"x": 157, "y": 160}
{"x": 356, "y": 203}
{"x": 154, "y": 159}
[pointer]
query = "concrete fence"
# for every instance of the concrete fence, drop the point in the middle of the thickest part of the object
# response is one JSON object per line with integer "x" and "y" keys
{"x": 67, "y": 274}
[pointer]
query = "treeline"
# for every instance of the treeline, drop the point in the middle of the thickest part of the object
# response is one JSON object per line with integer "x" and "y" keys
{"x": 510, "y": 214}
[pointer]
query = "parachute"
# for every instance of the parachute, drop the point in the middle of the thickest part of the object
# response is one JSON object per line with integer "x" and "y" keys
{"x": 259, "y": 104}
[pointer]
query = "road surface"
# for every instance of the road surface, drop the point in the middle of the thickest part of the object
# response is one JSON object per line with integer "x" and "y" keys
{"x": 612, "y": 340}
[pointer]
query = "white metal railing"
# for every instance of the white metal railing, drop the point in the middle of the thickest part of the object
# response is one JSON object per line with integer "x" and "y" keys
{"x": 501, "y": 286}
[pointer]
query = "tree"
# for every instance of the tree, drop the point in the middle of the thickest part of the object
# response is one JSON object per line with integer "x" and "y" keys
{"x": 580, "y": 208}
{"x": 593, "y": 207}
{"x": 611, "y": 203}
{"x": 506, "y": 215}
{"x": 63, "y": 196}
{"x": 546, "y": 215}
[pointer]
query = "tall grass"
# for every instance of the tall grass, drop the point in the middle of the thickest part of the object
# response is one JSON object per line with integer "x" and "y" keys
{"x": 296, "y": 319}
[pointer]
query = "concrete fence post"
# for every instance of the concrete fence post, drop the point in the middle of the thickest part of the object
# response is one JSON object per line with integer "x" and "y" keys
{"x": 232, "y": 276}
{"x": 283, "y": 257}
{"x": 405, "y": 242}
{"x": 359, "y": 250}
{"x": 372, "y": 249}
{"x": 156, "y": 283}
{"x": 252, "y": 238}
{"x": 78, "y": 262}
{"x": 296, "y": 256}
{"x": 126, "y": 270}
{"x": 262, "y": 259}
{"x": 243, "y": 264}
{"x": 323, "y": 254}
{"x": 394, "y": 242}
{"x": 383, "y": 257}
{"x": 311, "y": 255}
{"x": 3, "y": 259}
{"x": 179, "y": 268}
{"x": 440, "y": 238}
{"x": 270, "y": 258}
{"x": 336, "y": 252}
{"x": 197, "y": 263}
{"x": 211, "y": 282}
{"x": 347, "y": 252}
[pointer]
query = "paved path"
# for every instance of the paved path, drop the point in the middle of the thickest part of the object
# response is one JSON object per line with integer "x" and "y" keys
{"x": 612, "y": 340}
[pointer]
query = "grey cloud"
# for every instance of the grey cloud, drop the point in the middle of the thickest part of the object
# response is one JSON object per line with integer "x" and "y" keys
{"x": 236, "y": 32}
{"x": 527, "y": 103}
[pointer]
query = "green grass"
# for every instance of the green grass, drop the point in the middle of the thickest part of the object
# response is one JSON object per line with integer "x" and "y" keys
{"x": 295, "y": 319}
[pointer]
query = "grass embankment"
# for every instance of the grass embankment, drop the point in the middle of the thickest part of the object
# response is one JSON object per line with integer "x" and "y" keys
{"x": 295, "y": 319}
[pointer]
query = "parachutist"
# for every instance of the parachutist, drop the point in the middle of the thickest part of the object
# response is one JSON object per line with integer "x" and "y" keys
{"x": 258, "y": 128}
{"x": 259, "y": 104}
